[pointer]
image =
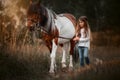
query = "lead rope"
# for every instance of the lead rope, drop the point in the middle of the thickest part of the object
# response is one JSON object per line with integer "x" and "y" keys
{"x": 42, "y": 29}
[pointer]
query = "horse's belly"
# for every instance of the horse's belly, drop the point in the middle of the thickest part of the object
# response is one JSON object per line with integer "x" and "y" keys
{"x": 66, "y": 30}
{"x": 60, "y": 40}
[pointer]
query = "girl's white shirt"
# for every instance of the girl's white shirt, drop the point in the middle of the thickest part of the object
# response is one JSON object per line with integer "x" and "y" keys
{"x": 84, "y": 40}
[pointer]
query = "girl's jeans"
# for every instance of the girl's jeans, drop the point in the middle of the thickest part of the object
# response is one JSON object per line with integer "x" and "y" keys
{"x": 83, "y": 55}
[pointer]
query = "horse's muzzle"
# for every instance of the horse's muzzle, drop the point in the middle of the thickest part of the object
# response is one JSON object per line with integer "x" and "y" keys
{"x": 31, "y": 28}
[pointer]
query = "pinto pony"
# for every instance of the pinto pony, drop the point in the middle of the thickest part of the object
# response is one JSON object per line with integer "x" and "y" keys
{"x": 54, "y": 29}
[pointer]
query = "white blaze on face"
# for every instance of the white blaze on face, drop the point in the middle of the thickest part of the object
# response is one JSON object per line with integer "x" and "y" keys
{"x": 26, "y": 24}
{"x": 16, "y": 18}
{"x": 23, "y": 10}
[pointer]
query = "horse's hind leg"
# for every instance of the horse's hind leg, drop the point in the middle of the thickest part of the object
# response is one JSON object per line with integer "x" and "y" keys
{"x": 52, "y": 56}
{"x": 72, "y": 44}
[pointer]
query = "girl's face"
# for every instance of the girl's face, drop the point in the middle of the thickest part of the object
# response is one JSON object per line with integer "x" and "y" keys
{"x": 81, "y": 23}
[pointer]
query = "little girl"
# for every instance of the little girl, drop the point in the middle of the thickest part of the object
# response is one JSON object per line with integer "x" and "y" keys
{"x": 83, "y": 38}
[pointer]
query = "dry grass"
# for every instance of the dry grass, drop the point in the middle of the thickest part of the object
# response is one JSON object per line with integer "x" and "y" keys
{"x": 106, "y": 38}
{"x": 32, "y": 62}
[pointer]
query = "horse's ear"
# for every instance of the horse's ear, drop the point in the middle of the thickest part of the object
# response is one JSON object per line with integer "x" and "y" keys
{"x": 39, "y": 2}
{"x": 31, "y": 2}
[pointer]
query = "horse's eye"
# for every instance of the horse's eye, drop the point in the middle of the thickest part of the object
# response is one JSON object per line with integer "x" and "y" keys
{"x": 32, "y": 20}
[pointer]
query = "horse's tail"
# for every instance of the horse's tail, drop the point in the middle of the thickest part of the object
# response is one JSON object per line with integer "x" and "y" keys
{"x": 75, "y": 53}
{"x": 74, "y": 50}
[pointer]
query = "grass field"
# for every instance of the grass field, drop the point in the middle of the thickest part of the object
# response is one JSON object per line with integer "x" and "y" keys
{"x": 32, "y": 63}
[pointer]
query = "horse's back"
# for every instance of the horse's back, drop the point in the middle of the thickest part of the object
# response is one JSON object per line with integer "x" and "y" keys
{"x": 65, "y": 27}
{"x": 71, "y": 18}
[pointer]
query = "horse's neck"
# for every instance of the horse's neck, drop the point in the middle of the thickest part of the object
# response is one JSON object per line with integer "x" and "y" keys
{"x": 50, "y": 25}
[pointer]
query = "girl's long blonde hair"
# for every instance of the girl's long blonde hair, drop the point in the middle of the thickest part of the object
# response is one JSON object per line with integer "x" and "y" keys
{"x": 86, "y": 25}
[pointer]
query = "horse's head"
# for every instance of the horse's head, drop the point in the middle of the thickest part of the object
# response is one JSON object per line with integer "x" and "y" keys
{"x": 36, "y": 15}
{"x": 40, "y": 17}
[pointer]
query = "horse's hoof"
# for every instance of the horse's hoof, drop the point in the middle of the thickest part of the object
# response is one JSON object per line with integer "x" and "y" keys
{"x": 70, "y": 69}
{"x": 64, "y": 65}
{"x": 64, "y": 69}
{"x": 51, "y": 72}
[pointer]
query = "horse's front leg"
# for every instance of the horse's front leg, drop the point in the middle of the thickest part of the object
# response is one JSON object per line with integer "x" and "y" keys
{"x": 71, "y": 62}
{"x": 52, "y": 56}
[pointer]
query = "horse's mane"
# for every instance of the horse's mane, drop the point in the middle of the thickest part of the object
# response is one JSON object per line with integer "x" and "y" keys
{"x": 45, "y": 15}
{"x": 36, "y": 8}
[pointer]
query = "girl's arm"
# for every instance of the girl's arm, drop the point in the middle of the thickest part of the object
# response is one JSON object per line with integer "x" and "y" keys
{"x": 86, "y": 38}
{"x": 76, "y": 38}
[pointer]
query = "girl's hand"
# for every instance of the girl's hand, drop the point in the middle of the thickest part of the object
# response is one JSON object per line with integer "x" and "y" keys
{"x": 76, "y": 39}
